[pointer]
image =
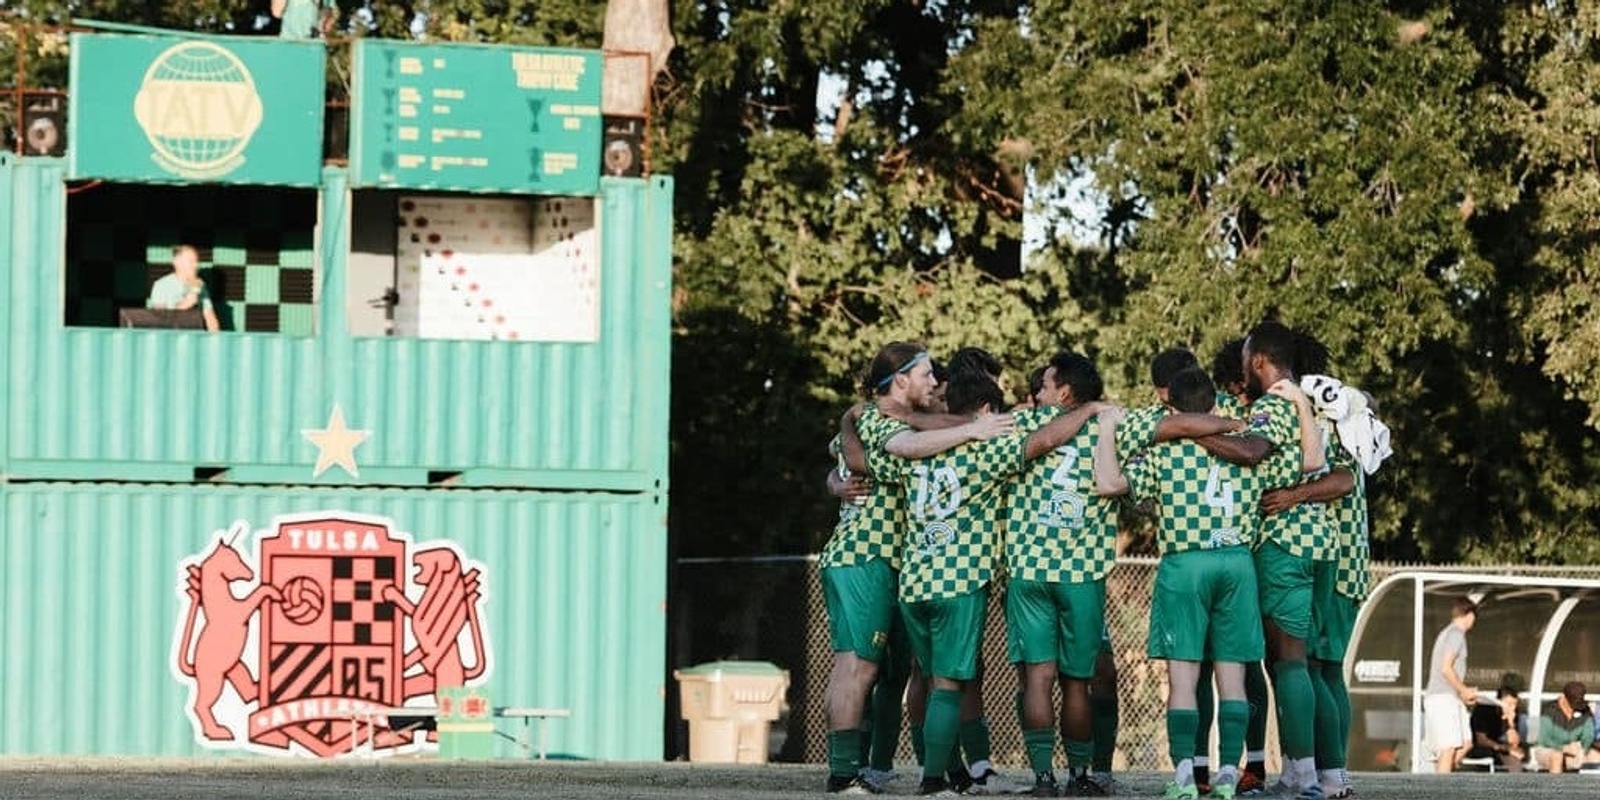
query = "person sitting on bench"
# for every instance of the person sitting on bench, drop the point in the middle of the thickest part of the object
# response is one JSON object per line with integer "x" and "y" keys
{"x": 1494, "y": 731}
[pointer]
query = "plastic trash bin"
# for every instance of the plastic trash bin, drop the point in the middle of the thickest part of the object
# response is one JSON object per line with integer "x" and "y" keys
{"x": 730, "y": 706}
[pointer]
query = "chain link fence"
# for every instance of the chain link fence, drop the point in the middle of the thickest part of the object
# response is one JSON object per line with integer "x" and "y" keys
{"x": 771, "y": 609}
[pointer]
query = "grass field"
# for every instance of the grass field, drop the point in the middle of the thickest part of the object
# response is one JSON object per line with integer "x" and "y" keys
{"x": 426, "y": 779}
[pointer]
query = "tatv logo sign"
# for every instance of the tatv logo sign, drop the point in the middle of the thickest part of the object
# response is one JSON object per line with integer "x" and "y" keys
{"x": 188, "y": 108}
{"x": 199, "y": 107}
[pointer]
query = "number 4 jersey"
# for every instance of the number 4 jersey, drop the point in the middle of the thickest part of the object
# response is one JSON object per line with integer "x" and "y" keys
{"x": 1058, "y": 529}
{"x": 1204, "y": 502}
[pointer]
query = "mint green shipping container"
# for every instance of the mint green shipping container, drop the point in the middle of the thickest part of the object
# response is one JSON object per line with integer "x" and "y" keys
{"x": 505, "y": 526}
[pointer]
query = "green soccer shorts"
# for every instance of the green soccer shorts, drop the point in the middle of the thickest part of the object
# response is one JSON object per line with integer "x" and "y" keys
{"x": 861, "y": 607}
{"x": 946, "y": 634}
{"x": 1287, "y": 583}
{"x": 1205, "y": 607}
{"x": 1060, "y": 622}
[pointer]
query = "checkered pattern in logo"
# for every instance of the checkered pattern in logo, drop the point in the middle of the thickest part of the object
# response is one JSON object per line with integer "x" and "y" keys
{"x": 1058, "y": 530}
{"x": 351, "y": 649}
{"x": 1204, "y": 502}
{"x": 955, "y": 517}
{"x": 874, "y": 529}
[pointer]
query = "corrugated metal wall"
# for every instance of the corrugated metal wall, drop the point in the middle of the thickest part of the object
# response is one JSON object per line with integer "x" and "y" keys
{"x": 123, "y": 451}
{"x": 140, "y": 404}
{"x": 91, "y": 578}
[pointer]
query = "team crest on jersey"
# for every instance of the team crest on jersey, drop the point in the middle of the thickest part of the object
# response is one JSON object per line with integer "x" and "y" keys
{"x": 289, "y": 639}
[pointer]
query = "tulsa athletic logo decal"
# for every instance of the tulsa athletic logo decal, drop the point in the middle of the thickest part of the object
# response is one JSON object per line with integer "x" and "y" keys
{"x": 288, "y": 639}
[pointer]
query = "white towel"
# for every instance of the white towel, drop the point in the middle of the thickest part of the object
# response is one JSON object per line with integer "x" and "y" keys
{"x": 1363, "y": 435}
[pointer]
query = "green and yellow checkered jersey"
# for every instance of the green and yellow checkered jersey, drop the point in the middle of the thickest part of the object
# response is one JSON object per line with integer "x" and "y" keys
{"x": 1058, "y": 530}
{"x": 1303, "y": 530}
{"x": 1204, "y": 502}
{"x": 1228, "y": 405}
{"x": 953, "y": 516}
{"x": 1349, "y": 520}
{"x": 1138, "y": 430}
{"x": 873, "y": 529}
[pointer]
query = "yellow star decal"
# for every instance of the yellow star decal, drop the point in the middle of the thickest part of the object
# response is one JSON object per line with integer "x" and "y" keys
{"x": 336, "y": 444}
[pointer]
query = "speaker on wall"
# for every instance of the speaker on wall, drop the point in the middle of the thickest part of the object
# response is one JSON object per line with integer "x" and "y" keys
{"x": 44, "y": 131}
{"x": 622, "y": 148}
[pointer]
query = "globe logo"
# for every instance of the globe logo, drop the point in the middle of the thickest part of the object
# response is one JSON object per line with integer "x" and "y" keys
{"x": 199, "y": 108}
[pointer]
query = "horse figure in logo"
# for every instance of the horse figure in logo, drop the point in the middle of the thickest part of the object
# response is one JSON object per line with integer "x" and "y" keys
{"x": 219, "y": 646}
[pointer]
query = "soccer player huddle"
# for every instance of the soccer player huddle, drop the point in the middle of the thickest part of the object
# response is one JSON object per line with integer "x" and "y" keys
{"x": 1255, "y": 474}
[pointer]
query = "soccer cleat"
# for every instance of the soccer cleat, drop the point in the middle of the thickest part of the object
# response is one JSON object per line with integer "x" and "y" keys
{"x": 1344, "y": 790}
{"x": 839, "y": 784}
{"x": 1283, "y": 788}
{"x": 990, "y": 782}
{"x": 1180, "y": 791}
{"x": 1226, "y": 786}
{"x": 1202, "y": 787}
{"x": 1085, "y": 785}
{"x": 937, "y": 787}
{"x": 878, "y": 779}
{"x": 958, "y": 779}
{"x": 1251, "y": 785}
{"x": 1108, "y": 784}
{"x": 1044, "y": 785}
{"x": 1312, "y": 792}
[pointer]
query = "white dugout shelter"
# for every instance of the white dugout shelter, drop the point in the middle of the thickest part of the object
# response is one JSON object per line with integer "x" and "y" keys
{"x": 1546, "y": 630}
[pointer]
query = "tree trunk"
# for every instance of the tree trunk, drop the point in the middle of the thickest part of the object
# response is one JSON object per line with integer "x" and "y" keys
{"x": 638, "y": 38}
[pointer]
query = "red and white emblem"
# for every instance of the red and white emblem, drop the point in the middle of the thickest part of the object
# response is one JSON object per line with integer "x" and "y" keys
{"x": 346, "y": 616}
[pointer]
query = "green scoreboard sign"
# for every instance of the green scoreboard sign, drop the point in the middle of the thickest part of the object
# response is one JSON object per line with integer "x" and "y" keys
{"x": 476, "y": 118}
{"x": 181, "y": 108}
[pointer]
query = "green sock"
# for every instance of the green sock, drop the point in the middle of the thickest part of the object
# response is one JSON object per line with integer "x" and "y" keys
{"x": 1255, "y": 691}
{"x": 941, "y": 730}
{"x": 919, "y": 746}
{"x": 887, "y": 714}
{"x": 1233, "y": 716}
{"x": 1080, "y": 753}
{"x": 1338, "y": 753}
{"x": 975, "y": 739}
{"x": 1205, "y": 698}
{"x": 1181, "y": 724}
{"x": 1325, "y": 721}
{"x": 1106, "y": 712}
{"x": 1296, "y": 700}
{"x": 866, "y": 740}
{"x": 844, "y": 753}
{"x": 1041, "y": 747}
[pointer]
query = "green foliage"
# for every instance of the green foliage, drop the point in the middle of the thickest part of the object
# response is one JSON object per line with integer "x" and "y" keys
{"x": 1412, "y": 182}
{"x": 1404, "y": 185}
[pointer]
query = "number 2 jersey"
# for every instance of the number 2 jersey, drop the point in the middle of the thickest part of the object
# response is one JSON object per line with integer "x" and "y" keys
{"x": 1058, "y": 529}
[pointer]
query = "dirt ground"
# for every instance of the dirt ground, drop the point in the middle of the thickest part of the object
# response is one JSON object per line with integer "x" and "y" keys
{"x": 424, "y": 779}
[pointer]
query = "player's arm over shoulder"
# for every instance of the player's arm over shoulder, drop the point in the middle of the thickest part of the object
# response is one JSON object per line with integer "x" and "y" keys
{"x": 914, "y": 444}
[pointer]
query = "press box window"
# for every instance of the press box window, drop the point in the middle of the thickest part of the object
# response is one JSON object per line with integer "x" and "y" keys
{"x": 256, "y": 247}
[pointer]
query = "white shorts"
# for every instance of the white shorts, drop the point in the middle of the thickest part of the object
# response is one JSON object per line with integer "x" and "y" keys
{"x": 1448, "y": 726}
